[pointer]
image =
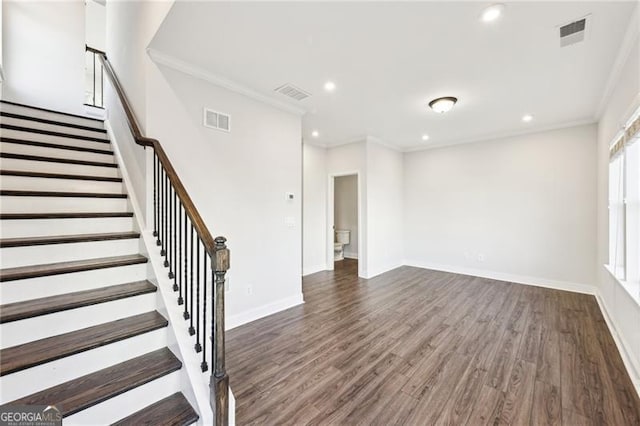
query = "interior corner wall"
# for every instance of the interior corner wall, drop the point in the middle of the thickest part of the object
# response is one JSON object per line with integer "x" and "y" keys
{"x": 43, "y": 53}
{"x": 238, "y": 181}
{"x": 345, "y": 210}
{"x": 521, "y": 208}
{"x": 314, "y": 209}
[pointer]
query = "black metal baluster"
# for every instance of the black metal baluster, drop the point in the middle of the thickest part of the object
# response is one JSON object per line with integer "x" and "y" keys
{"x": 172, "y": 229}
{"x": 174, "y": 251}
{"x": 155, "y": 201}
{"x": 165, "y": 219}
{"x": 177, "y": 271}
{"x": 192, "y": 331}
{"x": 185, "y": 314}
{"x": 198, "y": 347}
{"x": 158, "y": 179}
{"x": 203, "y": 365}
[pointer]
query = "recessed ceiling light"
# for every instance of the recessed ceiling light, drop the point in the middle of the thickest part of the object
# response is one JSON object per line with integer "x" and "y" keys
{"x": 492, "y": 12}
{"x": 443, "y": 104}
{"x": 425, "y": 137}
{"x": 527, "y": 118}
{"x": 329, "y": 86}
{"x": 315, "y": 133}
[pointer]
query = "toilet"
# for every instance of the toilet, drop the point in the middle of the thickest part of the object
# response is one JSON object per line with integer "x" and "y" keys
{"x": 342, "y": 238}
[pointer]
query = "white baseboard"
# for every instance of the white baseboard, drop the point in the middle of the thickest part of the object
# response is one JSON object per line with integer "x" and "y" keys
{"x": 350, "y": 255}
{"x": 513, "y": 278}
{"x": 263, "y": 311}
{"x": 633, "y": 369}
{"x": 378, "y": 271}
{"x": 308, "y": 270}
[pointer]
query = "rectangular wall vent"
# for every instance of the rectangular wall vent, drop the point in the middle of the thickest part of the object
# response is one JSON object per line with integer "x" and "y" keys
{"x": 573, "y": 32}
{"x": 217, "y": 120}
{"x": 292, "y": 91}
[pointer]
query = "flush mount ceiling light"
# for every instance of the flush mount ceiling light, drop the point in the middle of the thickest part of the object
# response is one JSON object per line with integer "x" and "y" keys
{"x": 329, "y": 86}
{"x": 315, "y": 134}
{"x": 527, "y": 118}
{"x": 444, "y": 104}
{"x": 492, "y": 12}
{"x": 425, "y": 137}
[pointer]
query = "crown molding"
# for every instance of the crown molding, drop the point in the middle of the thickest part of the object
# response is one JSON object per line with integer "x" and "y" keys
{"x": 504, "y": 135}
{"x": 203, "y": 74}
{"x": 624, "y": 52}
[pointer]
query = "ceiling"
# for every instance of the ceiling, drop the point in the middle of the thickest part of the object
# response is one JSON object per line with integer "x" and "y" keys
{"x": 389, "y": 59}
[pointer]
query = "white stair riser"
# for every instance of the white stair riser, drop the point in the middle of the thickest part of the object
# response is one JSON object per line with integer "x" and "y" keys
{"x": 12, "y": 257}
{"x": 56, "y": 153}
{"x": 34, "y": 379}
{"x": 54, "y": 167}
{"x": 50, "y": 115}
{"x": 63, "y": 185}
{"x": 60, "y": 140}
{"x": 52, "y": 127}
{"x": 114, "y": 409}
{"x": 13, "y": 204}
{"x": 31, "y": 288}
{"x": 45, "y": 227}
{"x": 27, "y": 330}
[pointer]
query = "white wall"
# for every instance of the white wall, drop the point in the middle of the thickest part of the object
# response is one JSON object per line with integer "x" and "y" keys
{"x": 43, "y": 53}
{"x": 314, "y": 209}
{"x": 96, "y": 25}
{"x": 520, "y": 208}
{"x": 345, "y": 211}
{"x": 238, "y": 182}
{"x": 623, "y": 313}
{"x": 385, "y": 205}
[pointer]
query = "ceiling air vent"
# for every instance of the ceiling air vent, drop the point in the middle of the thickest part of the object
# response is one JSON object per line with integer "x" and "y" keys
{"x": 217, "y": 120}
{"x": 573, "y": 32}
{"x": 292, "y": 91}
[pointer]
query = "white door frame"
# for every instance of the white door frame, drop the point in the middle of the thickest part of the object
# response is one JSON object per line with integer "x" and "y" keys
{"x": 331, "y": 222}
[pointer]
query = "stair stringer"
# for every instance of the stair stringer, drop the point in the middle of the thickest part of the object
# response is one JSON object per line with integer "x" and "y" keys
{"x": 194, "y": 383}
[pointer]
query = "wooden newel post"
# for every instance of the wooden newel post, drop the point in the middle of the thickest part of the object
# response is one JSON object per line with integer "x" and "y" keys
{"x": 219, "y": 384}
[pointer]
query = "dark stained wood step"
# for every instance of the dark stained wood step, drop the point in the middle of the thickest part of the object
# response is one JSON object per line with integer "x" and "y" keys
{"x": 51, "y": 110}
{"x": 20, "y": 193}
{"x": 87, "y": 215}
{"x": 66, "y": 239}
{"x": 34, "y": 271}
{"x": 49, "y": 305}
{"x": 174, "y": 410}
{"x": 55, "y": 146}
{"x": 23, "y": 173}
{"x": 56, "y": 160}
{"x": 52, "y": 122}
{"x": 52, "y": 133}
{"x": 21, "y": 357}
{"x": 94, "y": 388}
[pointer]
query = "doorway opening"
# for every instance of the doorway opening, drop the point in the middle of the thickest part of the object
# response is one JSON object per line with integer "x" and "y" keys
{"x": 345, "y": 238}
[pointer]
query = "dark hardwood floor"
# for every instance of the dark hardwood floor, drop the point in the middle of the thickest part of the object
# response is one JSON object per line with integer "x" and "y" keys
{"x": 420, "y": 347}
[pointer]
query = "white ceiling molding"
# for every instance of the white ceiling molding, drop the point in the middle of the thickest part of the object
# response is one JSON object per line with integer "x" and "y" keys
{"x": 505, "y": 135}
{"x": 202, "y": 74}
{"x": 631, "y": 35}
{"x": 380, "y": 142}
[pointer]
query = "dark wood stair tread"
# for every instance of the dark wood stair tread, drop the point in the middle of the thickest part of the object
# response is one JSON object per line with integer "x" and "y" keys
{"x": 52, "y": 133}
{"x": 21, "y": 193}
{"x": 51, "y": 110}
{"x": 86, "y": 215}
{"x": 23, "y": 173}
{"x": 66, "y": 239}
{"x": 33, "y": 271}
{"x": 20, "y": 357}
{"x": 28, "y": 157}
{"x": 48, "y": 305}
{"x": 55, "y": 146}
{"x": 53, "y": 122}
{"x": 174, "y": 410}
{"x": 94, "y": 388}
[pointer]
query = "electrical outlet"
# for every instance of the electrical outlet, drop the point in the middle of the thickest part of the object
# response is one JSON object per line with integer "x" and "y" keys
{"x": 480, "y": 257}
{"x": 249, "y": 290}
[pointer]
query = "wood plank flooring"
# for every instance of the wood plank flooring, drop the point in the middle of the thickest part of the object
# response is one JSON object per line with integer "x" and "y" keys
{"x": 420, "y": 347}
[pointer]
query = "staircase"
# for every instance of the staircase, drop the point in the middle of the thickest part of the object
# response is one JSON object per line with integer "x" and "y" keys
{"x": 79, "y": 323}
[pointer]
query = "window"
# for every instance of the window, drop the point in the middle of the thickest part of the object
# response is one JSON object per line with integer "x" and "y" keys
{"x": 624, "y": 205}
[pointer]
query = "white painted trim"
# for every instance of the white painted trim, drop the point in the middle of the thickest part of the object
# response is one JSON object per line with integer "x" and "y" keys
{"x": 632, "y": 366}
{"x": 382, "y": 270}
{"x": 308, "y": 270}
{"x": 351, "y": 255}
{"x": 203, "y": 74}
{"x": 237, "y": 320}
{"x": 502, "y": 276}
{"x": 631, "y": 34}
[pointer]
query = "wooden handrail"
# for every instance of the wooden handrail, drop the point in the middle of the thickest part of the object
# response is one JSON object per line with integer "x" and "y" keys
{"x": 190, "y": 208}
